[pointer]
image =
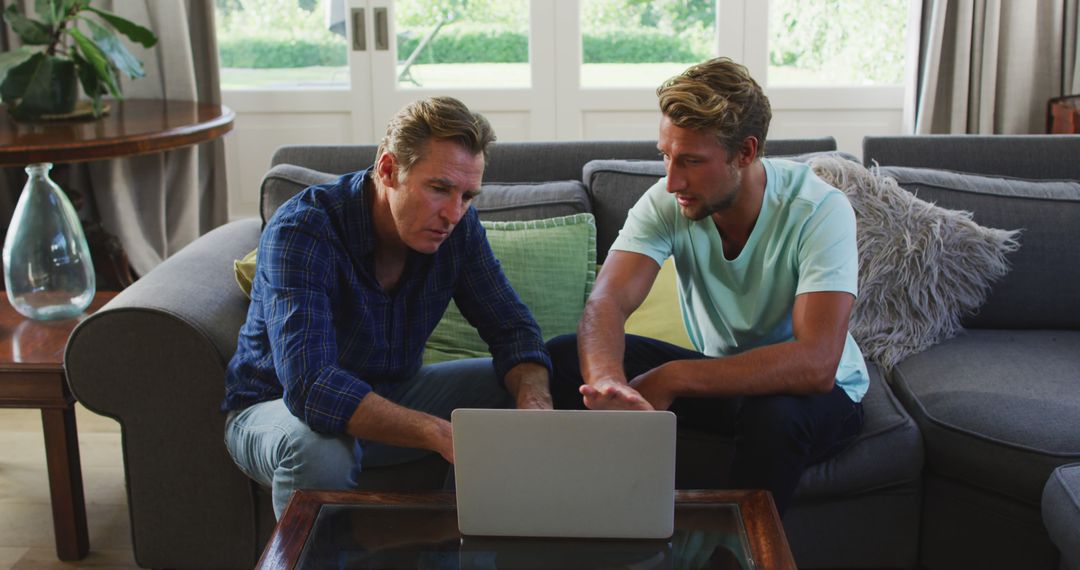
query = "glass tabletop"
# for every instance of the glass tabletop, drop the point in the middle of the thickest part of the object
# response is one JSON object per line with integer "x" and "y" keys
{"x": 426, "y": 536}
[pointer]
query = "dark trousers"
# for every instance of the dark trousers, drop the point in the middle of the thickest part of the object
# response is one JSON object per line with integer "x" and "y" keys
{"x": 776, "y": 436}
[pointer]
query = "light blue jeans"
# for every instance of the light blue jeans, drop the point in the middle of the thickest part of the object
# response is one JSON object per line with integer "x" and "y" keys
{"x": 278, "y": 450}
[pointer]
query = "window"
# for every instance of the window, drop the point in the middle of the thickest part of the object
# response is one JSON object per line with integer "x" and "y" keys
{"x": 462, "y": 44}
{"x": 273, "y": 44}
{"x": 640, "y": 43}
{"x": 270, "y": 44}
{"x": 836, "y": 43}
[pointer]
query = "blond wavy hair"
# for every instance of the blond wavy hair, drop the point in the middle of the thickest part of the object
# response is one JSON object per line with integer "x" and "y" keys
{"x": 718, "y": 95}
{"x": 442, "y": 118}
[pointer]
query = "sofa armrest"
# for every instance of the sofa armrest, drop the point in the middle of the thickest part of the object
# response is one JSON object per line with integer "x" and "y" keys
{"x": 154, "y": 359}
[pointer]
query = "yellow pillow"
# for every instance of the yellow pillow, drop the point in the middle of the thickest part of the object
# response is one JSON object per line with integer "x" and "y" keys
{"x": 659, "y": 316}
{"x": 245, "y": 272}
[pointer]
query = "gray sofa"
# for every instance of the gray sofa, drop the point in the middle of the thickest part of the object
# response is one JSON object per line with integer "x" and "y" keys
{"x": 998, "y": 406}
{"x": 154, "y": 360}
{"x": 1061, "y": 513}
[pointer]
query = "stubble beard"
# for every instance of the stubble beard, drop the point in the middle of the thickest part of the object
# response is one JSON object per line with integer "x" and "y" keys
{"x": 722, "y": 203}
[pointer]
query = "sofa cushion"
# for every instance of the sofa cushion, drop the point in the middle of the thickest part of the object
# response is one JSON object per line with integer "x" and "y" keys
{"x": 998, "y": 409}
{"x": 551, "y": 263}
{"x": 659, "y": 316}
{"x": 1061, "y": 513}
{"x": 921, "y": 267}
{"x": 244, "y": 268}
{"x": 285, "y": 181}
{"x": 506, "y": 202}
{"x": 1040, "y": 289}
{"x": 887, "y": 453}
{"x": 616, "y": 185}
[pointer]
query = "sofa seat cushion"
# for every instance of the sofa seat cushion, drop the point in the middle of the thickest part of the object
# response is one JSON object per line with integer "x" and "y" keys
{"x": 1061, "y": 513}
{"x": 887, "y": 454}
{"x": 997, "y": 408}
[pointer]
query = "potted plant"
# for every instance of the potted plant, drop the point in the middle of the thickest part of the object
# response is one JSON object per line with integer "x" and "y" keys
{"x": 42, "y": 77}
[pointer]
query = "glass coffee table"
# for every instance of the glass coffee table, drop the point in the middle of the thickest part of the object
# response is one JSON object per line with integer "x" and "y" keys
{"x": 360, "y": 529}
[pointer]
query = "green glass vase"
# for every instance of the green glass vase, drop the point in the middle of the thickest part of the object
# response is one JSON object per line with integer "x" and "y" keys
{"x": 47, "y": 268}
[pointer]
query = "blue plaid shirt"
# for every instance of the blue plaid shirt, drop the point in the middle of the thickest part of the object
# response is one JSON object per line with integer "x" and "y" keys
{"x": 321, "y": 333}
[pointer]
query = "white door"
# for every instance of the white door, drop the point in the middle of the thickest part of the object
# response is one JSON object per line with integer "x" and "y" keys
{"x": 356, "y": 15}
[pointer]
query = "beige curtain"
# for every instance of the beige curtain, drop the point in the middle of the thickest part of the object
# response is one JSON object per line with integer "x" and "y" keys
{"x": 989, "y": 66}
{"x": 158, "y": 203}
{"x": 13, "y": 178}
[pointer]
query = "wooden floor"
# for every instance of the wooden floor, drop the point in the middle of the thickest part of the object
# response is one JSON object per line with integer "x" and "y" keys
{"x": 26, "y": 532}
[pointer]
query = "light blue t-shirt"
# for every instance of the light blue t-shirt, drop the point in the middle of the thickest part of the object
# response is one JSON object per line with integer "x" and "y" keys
{"x": 803, "y": 242}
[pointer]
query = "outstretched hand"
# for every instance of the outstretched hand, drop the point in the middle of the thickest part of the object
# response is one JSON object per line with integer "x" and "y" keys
{"x": 613, "y": 395}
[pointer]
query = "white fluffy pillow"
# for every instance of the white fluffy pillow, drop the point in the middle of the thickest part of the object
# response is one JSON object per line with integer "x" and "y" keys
{"x": 921, "y": 267}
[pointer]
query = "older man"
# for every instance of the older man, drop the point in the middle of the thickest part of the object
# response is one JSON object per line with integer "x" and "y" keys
{"x": 351, "y": 279}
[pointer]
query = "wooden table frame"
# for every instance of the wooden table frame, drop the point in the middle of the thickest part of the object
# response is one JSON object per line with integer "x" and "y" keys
{"x": 32, "y": 376}
{"x": 132, "y": 127}
{"x": 764, "y": 531}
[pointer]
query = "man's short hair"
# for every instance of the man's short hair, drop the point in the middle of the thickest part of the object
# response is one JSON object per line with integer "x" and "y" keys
{"x": 718, "y": 95}
{"x": 443, "y": 118}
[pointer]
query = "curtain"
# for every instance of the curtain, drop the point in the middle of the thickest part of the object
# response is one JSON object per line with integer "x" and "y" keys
{"x": 989, "y": 66}
{"x": 158, "y": 203}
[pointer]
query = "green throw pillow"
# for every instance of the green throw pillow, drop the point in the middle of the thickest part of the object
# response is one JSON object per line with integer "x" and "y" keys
{"x": 551, "y": 263}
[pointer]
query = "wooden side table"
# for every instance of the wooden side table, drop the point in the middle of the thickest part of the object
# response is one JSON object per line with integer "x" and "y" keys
{"x": 134, "y": 126}
{"x": 32, "y": 376}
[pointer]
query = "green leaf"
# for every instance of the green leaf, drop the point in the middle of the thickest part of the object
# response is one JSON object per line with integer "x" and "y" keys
{"x": 91, "y": 83}
{"x": 10, "y": 59}
{"x": 133, "y": 31}
{"x": 97, "y": 60}
{"x": 31, "y": 32}
{"x": 46, "y": 10}
{"x": 68, "y": 8}
{"x": 41, "y": 84}
{"x": 115, "y": 50}
{"x": 19, "y": 77}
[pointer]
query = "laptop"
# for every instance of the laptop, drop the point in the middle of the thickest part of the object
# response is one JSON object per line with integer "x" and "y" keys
{"x": 562, "y": 473}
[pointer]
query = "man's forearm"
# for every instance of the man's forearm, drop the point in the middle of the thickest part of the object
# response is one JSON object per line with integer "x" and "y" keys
{"x": 785, "y": 368}
{"x": 379, "y": 419}
{"x": 529, "y": 384}
{"x": 602, "y": 341}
